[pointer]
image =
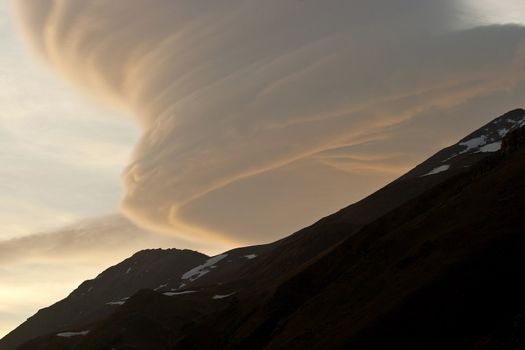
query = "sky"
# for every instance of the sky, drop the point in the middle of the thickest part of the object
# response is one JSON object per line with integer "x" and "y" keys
{"x": 209, "y": 125}
{"x": 61, "y": 154}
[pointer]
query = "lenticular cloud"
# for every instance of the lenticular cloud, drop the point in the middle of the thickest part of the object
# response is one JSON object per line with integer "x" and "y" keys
{"x": 242, "y": 98}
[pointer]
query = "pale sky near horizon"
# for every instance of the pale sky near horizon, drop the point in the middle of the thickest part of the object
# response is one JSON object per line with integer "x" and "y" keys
{"x": 62, "y": 154}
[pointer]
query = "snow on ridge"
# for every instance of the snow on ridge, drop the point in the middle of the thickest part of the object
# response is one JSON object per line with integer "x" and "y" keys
{"x": 474, "y": 143}
{"x": 492, "y": 147}
{"x": 222, "y": 296}
{"x": 486, "y": 144}
{"x": 511, "y": 125}
{"x": 201, "y": 270}
{"x": 71, "y": 334}
{"x": 503, "y": 132}
{"x": 250, "y": 256}
{"x": 160, "y": 287}
{"x": 518, "y": 123}
{"x": 437, "y": 170}
{"x": 119, "y": 302}
{"x": 170, "y": 294}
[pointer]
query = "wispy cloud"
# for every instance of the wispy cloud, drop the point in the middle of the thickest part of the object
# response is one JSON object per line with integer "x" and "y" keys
{"x": 40, "y": 269}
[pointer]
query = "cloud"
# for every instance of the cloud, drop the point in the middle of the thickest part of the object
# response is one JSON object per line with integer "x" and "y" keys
{"x": 111, "y": 238}
{"x": 241, "y": 99}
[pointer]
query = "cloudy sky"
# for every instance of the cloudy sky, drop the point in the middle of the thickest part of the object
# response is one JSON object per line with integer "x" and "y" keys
{"x": 221, "y": 123}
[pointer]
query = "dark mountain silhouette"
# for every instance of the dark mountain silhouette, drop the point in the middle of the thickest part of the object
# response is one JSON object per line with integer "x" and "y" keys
{"x": 432, "y": 260}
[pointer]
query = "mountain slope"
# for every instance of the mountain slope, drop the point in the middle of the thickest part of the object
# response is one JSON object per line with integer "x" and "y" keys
{"x": 291, "y": 252}
{"x": 101, "y": 296}
{"x": 441, "y": 271}
{"x": 286, "y": 293}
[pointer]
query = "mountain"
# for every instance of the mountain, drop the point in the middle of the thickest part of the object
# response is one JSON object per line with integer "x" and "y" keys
{"x": 100, "y": 296}
{"x": 432, "y": 260}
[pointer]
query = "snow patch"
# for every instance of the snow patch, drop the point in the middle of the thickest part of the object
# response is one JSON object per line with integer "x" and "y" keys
{"x": 120, "y": 302}
{"x": 474, "y": 143}
{"x": 437, "y": 170}
{"x": 503, "y": 132}
{"x": 160, "y": 287}
{"x": 170, "y": 294}
{"x": 250, "y": 256}
{"x": 492, "y": 147}
{"x": 219, "y": 296}
{"x": 71, "y": 334}
{"x": 201, "y": 270}
{"x": 518, "y": 123}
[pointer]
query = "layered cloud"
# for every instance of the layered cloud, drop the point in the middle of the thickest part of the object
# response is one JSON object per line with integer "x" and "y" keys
{"x": 259, "y": 116}
{"x": 98, "y": 241}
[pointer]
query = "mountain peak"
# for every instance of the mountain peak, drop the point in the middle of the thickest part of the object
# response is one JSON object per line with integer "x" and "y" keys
{"x": 472, "y": 148}
{"x": 496, "y": 130}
